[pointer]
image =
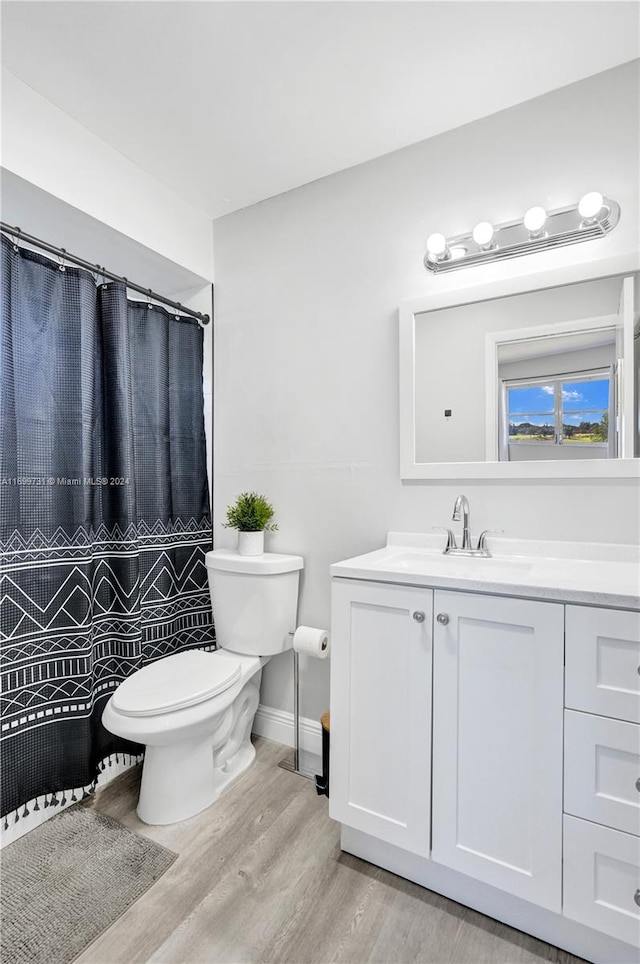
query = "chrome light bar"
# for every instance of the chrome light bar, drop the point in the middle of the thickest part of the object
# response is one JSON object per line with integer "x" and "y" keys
{"x": 539, "y": 230}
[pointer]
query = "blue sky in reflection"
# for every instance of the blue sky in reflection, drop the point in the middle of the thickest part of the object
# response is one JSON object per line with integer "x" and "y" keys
{"x": 577, "y": 397}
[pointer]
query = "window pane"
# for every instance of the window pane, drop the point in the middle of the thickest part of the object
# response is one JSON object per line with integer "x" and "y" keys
{"x": 583, "y": 396}
{"x": 531, "y": 428}
{"x": 585, "y": 427}
{"x": 530, "y": 398}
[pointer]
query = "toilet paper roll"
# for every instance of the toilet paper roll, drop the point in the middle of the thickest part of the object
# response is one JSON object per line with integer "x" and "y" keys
{"x": 311, "y": 642}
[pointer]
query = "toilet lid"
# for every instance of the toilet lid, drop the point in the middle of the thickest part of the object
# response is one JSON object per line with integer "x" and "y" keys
{"x": 175, "y": 682}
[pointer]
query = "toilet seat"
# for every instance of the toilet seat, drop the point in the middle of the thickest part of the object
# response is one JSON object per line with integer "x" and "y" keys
{"x": 175, "y": 682}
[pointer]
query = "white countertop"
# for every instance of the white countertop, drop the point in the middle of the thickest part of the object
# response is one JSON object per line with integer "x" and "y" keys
{"x": 597, "y": 574}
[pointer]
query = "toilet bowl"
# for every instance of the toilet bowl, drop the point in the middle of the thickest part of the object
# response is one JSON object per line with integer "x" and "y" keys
{"x": 194, "y": 710}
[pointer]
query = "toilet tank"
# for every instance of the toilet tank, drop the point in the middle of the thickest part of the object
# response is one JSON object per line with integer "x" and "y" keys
{"x": 254, "y": 600}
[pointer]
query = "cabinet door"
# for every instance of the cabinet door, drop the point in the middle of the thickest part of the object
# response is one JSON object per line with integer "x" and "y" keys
{"x": 497, "y": 742}
{"x": 381, "y": 711}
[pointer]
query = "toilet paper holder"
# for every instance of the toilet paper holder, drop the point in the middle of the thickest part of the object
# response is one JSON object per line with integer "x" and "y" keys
{"x": 293, "y": 765}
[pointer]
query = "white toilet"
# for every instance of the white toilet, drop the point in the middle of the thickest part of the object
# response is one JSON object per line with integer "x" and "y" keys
{"x": 194, "y": 710}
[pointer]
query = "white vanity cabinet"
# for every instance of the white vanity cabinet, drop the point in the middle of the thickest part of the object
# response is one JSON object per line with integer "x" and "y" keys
{"x": 497, "y": 742}
{"x": 467, "y": 757}
{"x": 381, "y": 709}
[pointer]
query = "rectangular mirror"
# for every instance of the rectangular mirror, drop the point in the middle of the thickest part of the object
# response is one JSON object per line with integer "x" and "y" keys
{"x": 536, "y": 379}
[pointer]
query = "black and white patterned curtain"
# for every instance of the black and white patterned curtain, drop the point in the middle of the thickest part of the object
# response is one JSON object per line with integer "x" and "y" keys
{"x": 104, "y": 515}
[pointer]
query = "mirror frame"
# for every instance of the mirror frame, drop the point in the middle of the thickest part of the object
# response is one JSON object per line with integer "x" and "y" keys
{"x": 490, "y": 290}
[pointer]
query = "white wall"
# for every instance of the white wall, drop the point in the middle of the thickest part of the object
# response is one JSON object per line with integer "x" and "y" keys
{"x": 306, "y": 372}
{"x": 47, "y": 148}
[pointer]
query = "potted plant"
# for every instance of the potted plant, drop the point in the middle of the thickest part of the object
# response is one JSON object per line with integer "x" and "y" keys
{"x": 251, "y": 515}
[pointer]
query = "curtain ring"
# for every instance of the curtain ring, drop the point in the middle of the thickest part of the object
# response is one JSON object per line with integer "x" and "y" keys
{"x": 61, "y": 266}
{"x": 149, "y": 294}
{"x": 16, "y": 243}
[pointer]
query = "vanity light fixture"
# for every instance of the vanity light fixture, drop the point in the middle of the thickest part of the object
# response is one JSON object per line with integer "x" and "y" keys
{"x": 539, "y": 230}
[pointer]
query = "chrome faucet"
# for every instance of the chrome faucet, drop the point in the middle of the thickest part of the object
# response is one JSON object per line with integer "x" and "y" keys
{"x": 463, "y": 504}
{"x": 461, "y": 510}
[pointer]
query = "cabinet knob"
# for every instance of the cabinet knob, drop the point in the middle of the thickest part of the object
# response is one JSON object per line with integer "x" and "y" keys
{"x": 418, "y": 615}
{"x": 636, "y": 897}
{"x": 443, "y": 619}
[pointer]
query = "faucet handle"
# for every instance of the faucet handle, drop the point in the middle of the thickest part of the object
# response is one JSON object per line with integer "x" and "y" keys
{"x": 451, "y": 539}
{"x": 482, "y": 538}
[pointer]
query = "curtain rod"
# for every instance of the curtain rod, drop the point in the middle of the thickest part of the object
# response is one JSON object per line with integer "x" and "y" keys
{"x": 73, "y": 259}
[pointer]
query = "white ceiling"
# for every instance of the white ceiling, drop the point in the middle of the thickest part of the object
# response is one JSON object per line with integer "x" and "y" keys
{"x": 229, "y": 103}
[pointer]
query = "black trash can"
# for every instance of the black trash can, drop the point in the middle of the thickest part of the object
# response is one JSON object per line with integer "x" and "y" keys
{"x": 322, "y": 782}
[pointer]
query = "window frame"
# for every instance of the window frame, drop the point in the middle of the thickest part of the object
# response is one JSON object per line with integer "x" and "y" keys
{"x": 591, "y": 374}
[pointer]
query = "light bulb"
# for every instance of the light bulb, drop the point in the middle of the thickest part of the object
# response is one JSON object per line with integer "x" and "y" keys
{"x": 483, "y": 234}
{"x": 437, "y": 245}
{"x": 590, "y": 206}
{"x": 534, "y": 221}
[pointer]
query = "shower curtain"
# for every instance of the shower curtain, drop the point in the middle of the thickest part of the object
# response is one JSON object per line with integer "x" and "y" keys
{"x": 104, "y": 515}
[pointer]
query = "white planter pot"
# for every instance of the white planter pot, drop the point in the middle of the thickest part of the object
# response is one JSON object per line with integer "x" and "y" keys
{"x": 251, "y": 543}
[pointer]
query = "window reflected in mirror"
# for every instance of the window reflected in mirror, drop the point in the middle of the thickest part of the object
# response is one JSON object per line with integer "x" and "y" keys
{"x": 557, "y": 393}
{"x": 559, "y": 412}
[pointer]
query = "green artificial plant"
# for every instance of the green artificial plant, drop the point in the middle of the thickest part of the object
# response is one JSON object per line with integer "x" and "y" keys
{"x": 250, "y": 513}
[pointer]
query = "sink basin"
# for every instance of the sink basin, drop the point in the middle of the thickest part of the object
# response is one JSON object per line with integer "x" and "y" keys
{"x": 439, "y": 563}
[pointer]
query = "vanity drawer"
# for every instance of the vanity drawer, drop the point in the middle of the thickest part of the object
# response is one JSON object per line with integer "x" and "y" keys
{"x": 602, "y": 654}
{"x": 601, "y": 880}
{"x": 602, "y": 770}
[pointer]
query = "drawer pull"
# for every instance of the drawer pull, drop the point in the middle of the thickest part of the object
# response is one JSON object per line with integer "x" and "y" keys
{"x": 636, "y": 897}
{"x": 418, "y": 616}
{"x": 443, "y": 619}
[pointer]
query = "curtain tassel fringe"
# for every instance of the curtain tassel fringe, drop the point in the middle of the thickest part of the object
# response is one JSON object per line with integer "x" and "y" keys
{"x": 52, "y": 800}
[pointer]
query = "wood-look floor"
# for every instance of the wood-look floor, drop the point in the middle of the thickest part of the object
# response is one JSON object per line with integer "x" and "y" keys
{"x": 260, "y": 878}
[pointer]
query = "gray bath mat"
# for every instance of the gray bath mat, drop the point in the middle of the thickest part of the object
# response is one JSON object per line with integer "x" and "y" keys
{"x": 65, "y": 882}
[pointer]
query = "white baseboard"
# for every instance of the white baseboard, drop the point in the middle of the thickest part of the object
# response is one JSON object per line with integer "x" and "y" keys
{"x": 277, "y": 725}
